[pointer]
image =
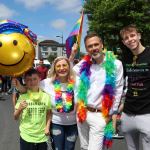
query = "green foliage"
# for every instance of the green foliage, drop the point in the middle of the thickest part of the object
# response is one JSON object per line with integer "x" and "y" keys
{"x": 107, "y": 17}
{"x": 51, "y": 58}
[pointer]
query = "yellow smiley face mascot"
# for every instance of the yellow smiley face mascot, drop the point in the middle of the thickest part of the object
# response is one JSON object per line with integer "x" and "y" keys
{"x": 17, "y": 48}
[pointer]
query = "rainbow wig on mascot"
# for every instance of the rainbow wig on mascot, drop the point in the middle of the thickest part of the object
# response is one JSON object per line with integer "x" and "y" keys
{"x": 17, "y": 48}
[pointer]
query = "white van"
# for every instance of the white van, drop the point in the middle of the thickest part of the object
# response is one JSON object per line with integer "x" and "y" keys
{"x": 46, "y": 63}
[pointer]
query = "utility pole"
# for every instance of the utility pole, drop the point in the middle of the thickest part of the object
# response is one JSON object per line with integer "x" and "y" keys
{"x": 62, "y": 50}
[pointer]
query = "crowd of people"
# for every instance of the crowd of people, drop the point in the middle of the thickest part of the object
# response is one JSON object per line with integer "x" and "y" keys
{"x": 5, "y": 84}
{"x": 84, "y": 98}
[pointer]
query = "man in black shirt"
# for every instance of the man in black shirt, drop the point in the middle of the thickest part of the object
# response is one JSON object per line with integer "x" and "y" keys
{"x": 136, "y": 114}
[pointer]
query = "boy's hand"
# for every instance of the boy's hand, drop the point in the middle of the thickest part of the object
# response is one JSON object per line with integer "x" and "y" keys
{"x": 23, "y": 105}
{"x": 47, "y": 131}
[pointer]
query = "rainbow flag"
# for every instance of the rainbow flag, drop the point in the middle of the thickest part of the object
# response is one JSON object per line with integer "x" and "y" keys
{"x": 75, "y": 36}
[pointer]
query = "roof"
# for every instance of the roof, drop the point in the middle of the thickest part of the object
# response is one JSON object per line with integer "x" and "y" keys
{"x": 49, "y": 43}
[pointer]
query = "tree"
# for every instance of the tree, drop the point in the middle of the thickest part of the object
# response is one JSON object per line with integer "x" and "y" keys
{"x": 51, "y": 58}
{"x": 107, "y": 17}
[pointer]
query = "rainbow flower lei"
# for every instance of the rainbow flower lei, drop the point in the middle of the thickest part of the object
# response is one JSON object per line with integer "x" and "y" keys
{"x": 60, "y": 106}
{"x": 108, "y": 92}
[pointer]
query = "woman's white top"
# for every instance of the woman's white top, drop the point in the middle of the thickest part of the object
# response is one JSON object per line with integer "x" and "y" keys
{"x": 57, "y": 117}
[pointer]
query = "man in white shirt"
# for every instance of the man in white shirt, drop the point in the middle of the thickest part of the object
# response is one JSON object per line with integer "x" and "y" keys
{"x": 99, "y": 85}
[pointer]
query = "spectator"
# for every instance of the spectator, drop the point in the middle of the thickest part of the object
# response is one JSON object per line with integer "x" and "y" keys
{"x": 42, "y": 69}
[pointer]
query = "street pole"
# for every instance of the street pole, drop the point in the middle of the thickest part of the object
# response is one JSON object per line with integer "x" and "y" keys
{"x": 61, "y": 36}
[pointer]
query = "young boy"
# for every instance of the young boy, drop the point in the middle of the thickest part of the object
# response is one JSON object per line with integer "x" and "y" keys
{"x": 34, "y": 111}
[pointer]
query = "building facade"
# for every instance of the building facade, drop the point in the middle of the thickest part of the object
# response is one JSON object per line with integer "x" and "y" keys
{"x": 49, "y": 47}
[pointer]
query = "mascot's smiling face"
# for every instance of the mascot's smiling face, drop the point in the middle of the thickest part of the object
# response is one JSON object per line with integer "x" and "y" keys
{"x": 16, "y": 53}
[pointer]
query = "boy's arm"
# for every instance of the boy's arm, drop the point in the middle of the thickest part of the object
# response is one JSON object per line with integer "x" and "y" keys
{"x": 48, "y": 121}
{"x": 18, "y": 111}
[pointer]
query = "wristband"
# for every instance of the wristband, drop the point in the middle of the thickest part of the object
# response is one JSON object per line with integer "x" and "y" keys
{"x": 115, "y": 112}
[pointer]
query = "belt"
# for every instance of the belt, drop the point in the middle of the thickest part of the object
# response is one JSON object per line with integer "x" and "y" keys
{"x": 93, "y": 109}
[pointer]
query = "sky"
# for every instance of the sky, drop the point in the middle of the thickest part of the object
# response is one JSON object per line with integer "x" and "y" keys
{"x": 46, "y": 18}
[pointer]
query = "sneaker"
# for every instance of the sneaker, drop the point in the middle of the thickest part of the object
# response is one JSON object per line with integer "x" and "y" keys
{"x": 9, "y": 91}
{"x": 6, "y": 93}
{"x": 118, "y": 136}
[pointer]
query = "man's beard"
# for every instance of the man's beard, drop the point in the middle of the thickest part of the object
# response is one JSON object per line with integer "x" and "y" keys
{"x": 96, "y": 55}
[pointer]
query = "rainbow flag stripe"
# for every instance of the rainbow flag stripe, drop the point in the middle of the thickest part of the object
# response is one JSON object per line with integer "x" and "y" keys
{"x": 75, "y": 36}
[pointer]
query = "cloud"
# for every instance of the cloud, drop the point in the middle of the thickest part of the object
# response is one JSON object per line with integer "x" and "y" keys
{"x": 58, "y": 24}
{"x": 62, "y": 5}
{"x": 33, "y": 4}
{"x": 67, "y": 5}
{"x": 6, "y": 12}
{"x": 42, "y": 37}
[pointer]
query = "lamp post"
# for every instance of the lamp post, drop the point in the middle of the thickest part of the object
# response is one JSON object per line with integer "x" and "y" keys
{"x": 61, "y": 36}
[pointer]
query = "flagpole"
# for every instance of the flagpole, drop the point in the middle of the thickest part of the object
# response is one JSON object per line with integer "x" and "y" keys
{"x": 80, "y": 30}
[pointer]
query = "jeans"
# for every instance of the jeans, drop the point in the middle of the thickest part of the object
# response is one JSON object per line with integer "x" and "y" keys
{"x": 63, "y": 136}
{"x": 24, "y": 145}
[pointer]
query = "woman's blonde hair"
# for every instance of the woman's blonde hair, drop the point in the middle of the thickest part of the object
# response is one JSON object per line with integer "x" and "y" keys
{"x": 52, "y": 72}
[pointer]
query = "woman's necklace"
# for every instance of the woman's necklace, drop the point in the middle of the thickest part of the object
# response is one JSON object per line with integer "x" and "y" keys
{"x": 64, "y": 106}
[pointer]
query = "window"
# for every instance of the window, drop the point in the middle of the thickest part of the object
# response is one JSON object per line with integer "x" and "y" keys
{"x": 44, "y": 53}
{"x": 44, "y": 48}
{"x": 54, "y": 48}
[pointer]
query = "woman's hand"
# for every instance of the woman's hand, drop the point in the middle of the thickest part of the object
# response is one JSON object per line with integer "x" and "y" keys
{"x": 15, "y": 82}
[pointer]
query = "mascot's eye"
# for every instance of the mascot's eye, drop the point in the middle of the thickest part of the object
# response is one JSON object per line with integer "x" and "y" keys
{"x": 15, "y": 42}
{"x": 1, "y": 44}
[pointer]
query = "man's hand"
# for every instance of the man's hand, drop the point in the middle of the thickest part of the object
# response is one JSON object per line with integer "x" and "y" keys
{"x": 114, "y": 119}
{"x": 74, "y": 49}
{"x": 107, "y": 119}
{"x": 73, "y": 52}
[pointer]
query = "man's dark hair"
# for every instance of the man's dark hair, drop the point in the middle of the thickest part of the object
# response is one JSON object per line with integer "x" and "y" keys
{"x": 31, "y": 71}
{"x": 90, "y": 35}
